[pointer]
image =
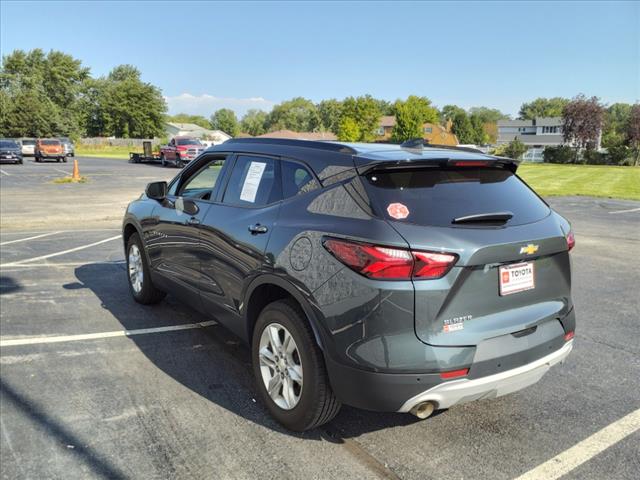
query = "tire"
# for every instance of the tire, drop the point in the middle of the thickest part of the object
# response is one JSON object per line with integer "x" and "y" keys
{"x": 64, "y": 159}
{"x": 58, "y": 160}
{"x": 146, "y": 293}
{"x": 162, "y": 160}
{"x": 178, "y": 162}
{"x": 316, "y": 404}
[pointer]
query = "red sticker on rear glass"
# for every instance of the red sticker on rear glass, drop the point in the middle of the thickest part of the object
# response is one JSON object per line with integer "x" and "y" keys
{"x": 397, "y": 210}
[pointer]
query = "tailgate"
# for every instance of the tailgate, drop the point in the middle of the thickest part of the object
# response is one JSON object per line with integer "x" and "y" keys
{"x": 466, "y": 306}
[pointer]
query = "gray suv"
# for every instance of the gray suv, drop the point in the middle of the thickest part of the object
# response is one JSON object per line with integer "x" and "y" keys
{"x": 390, "y": 278}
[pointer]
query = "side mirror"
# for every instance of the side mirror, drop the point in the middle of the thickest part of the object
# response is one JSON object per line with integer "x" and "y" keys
{"x": 157, "y": 190}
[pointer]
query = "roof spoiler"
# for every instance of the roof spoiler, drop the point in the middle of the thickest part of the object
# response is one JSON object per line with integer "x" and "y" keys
{"x": 443, "y": 162}
{"x": 420, "y": 143}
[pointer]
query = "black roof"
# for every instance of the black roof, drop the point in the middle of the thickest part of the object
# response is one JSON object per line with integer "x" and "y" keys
{"x": 328, "y": 158}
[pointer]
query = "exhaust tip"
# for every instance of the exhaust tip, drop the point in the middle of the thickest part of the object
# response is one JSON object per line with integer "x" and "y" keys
{"x": 423, "y": 410}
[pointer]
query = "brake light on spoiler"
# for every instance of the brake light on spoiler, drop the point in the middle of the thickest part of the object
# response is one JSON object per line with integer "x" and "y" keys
{"x": 388, "y": 263}
{"x": 468, "y": 163}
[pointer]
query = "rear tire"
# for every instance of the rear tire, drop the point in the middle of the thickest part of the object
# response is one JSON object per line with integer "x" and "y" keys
{"x": 162, "y": 160}
{"x": 178, "y": 162}
{"x": 64, "y": 159}
{"x": 314, "y": 402}
{"x": 138, "y": 274}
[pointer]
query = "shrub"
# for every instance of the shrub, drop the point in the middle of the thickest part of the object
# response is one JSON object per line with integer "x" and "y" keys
{"x": 560, "y": 154}
{"x": 593, "y": 157}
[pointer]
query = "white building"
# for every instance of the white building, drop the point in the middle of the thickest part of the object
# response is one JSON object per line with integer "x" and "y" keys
{"x": 536, "y": 134}
{"x": 211, "y": 137}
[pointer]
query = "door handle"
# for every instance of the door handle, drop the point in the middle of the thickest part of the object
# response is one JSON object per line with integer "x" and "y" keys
{"x": 193, "y": 221}
{"x": 257, "y": 228}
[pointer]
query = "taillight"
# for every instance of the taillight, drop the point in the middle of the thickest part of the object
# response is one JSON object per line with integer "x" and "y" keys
{"x": 571, "y": 240}
{"x": 569, "y": 335}
{"x": 454, "y": 374}
{"x": 388, "y": 263}
{"x": 468, "y": 163}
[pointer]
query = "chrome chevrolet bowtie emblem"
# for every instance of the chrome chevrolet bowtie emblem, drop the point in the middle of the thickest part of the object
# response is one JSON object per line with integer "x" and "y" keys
{"x": 529, "y": 249}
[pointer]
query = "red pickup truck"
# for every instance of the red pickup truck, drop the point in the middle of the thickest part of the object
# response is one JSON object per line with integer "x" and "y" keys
{"x": 180, "y": 151}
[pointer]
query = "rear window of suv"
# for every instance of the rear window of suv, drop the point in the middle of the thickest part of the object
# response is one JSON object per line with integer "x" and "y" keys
{"x": 436, "y": 196}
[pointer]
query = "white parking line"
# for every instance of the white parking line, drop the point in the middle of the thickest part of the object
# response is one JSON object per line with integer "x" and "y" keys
{"x": 43, "y": 257}
{"x": 626, "y": 211}
{"x": 28, "y": 238}
{"x": 94, "y": 336}
{"x": 7, "y": 174}
{"x": 63, "y": 171}
{"x": 585, "y": 450}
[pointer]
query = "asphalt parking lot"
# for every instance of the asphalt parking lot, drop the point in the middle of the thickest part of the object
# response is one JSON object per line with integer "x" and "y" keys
{"x": 174, "y": 396}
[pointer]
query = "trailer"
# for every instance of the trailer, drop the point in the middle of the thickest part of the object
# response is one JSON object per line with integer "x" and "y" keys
{"x": 146, "y": 157}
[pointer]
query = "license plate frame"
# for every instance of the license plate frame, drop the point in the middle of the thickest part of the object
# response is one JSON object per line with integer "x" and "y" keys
{"x": 516, "y": 278}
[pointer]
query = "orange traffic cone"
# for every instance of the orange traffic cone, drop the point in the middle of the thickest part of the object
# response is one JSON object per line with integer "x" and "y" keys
{"x": 76, "y": 171}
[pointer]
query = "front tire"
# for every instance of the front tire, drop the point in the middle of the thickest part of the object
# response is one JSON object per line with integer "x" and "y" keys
{"x": 162, "y": 160}
{"x": 140, "y": 284}
{"x": 290, "y": 373}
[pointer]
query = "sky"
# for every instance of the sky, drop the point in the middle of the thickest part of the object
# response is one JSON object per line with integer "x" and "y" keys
{"x": 205, "y": 55}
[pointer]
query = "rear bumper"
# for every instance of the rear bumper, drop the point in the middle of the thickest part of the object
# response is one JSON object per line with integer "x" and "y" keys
{"x": 456, "y": 392}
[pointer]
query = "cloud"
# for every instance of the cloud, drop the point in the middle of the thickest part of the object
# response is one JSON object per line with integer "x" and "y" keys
{"x": 207, "y": 104}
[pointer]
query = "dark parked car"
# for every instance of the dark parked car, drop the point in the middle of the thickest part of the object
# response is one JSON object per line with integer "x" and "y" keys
{"x": 10, "y": 151}
{"x": 379, "y": 276}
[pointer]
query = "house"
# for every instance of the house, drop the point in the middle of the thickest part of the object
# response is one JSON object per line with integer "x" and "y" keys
{"x": 299, "y": 135}
{"x": 537, "y": 134}
{"x": 214, "y": 137}
{"x": 431, "y": 132}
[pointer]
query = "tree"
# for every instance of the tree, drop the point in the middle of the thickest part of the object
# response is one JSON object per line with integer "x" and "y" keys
{"x": 514, "y": 149}
{"x": 49, "y": 87}
{"x": 411, "y": 114}
{"x": 582, "y": 122}
{"x": 298, "y": 114}
{"x": 225, "y": 119}
{"x": 462, "y": 127}
{"x": 543, "y": 107}
{"x": 365, "y": 112}
{"x": 122, "y": 105}
{"x": 449, "y": 112}
{"x": 408, "y": 123}
{"x": 477, "y": 126}
{"x": 488, "y": 115}
{"x": 330, "y": 112}
{"x": 633, "y": 132}
{"x": 186, "y": 118}
{"x": 348, "y": 130}
{"x": 614, "y": 132}
{"x": 253, "y": 122}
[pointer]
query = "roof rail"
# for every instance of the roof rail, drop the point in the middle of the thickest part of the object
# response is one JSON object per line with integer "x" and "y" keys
{"x": 318, "y": 145}
{"x": 421, "y": 143}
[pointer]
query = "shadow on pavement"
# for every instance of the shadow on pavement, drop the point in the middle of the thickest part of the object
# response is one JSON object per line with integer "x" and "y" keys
{"x": 220, "y": 368}
{"x": 58, "y": 433}
{"x": 9, "y": 285}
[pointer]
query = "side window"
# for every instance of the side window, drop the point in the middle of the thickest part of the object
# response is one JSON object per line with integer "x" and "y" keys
{"x": 202, "y": 183}
{"x": 253, "y": 182}
{"x": 296, "y": 179}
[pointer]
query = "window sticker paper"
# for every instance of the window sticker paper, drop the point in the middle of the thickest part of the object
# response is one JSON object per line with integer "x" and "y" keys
{"x": 252, "y": 182}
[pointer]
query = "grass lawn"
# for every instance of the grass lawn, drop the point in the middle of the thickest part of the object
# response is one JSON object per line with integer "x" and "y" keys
{"x": 591, "y": 180}
{"x": 106, "y": 151}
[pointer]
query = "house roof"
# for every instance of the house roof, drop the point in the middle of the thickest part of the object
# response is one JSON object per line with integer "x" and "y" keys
{"x": 538, "y": 122}
{"x": 388, "y": 121}
{"x": 193, "y": 129}
{"x": 532, "y": 139}
{"x": 186, "y": 126}
{"x": 299, "y": 135}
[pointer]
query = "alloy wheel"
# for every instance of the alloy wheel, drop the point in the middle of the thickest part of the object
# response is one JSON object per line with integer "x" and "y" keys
{"x": 280, "y": 366}
{"x": 136, "y": 272}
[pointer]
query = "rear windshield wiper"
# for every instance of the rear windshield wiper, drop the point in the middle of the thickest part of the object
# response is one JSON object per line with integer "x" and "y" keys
{"x": 493, "y": 217}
